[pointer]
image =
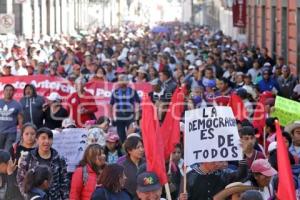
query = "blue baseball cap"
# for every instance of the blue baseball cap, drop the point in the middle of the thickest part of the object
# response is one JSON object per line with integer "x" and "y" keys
{"x": 147, "y": 182}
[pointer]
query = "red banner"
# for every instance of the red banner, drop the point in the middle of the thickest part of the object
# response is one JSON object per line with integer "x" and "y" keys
{"x": 44, "y": 85}
{"x": 239, "y": 10}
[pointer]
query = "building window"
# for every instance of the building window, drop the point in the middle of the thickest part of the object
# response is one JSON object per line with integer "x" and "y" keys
{"x": 298, "y": 40}
{"x": 274, "y": 30}
{"x": 284, "y": 37}
{"x": 3, "y": 5}
{"x": 249, "y": 25}
{"x": 255, "y": 25}
{"x": 263, "y": 26}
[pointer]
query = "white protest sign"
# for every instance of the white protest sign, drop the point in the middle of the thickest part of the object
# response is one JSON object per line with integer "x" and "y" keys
{"x": 70, "y": 143}
{"x": 211, "y": 135}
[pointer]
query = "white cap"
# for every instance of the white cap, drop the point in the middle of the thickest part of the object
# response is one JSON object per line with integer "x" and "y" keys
{"x": 198, "y": 62}
{"x": 54, "y": 96}
{"x": 192, "y": 67}
{"x": 134, "y": 135}
{"x": 68, "y": 122}
{"x": 167, "y": 49}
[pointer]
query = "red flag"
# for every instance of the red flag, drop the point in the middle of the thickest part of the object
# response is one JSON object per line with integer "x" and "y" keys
{"x": 238, "y": 107}
{"x": 286, "y": 187}
{"x": 170, "y": 129}
{"x": 259, "y": 116}
{"x": 152, "y": 140}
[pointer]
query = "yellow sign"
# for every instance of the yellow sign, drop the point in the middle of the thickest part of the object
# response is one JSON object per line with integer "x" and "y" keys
{"x": 286, "y": 110}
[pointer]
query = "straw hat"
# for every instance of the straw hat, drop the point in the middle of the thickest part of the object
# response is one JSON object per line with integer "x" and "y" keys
{"x": 289, "y": 128}
{"x": 233, "y": 188}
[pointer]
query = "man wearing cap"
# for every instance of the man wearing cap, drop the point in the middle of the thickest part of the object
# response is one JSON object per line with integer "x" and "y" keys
{"x": 81, "y": 104}
{"x": 294, "y": 130}
{"x": 148, "y": 186}
{"x": 124, "y": 106}
{"x": 267, "y": 83}
{"x": 11, "y": 116}
{"x": 54, "y": 113}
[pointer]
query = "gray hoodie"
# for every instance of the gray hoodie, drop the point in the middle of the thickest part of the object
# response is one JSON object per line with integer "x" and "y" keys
{"x": 33, "y": 107}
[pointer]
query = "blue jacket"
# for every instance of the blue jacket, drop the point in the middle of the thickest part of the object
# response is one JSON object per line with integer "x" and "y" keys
{"x": 267, "y": 85}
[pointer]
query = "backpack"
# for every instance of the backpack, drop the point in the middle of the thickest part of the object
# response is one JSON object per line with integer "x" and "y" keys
{"x": 85, "y": 175}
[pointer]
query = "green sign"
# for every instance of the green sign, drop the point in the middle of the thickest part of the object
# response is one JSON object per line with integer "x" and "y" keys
{"x": 286, "y": 110}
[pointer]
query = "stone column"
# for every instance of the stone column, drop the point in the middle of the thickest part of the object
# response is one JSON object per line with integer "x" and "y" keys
{"x": 57, "y": 17}
{"x": 71, "y": 17}
{"x": 52, "y": 18}
{"x": 36, "y": 19}
{"x": 64, "y": 17}
{"x": 27, "y": 19}
{"x": 44, "y": 17}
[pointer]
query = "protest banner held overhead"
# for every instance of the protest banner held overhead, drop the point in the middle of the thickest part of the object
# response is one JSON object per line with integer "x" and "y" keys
{"x": 100, "y": 90}
{"x": 211, "y": 135}
{"x": 286, "y": 110}
{"x": 70, "y": 144}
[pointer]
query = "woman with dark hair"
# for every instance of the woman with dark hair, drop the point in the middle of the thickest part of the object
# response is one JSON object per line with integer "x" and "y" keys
{"x": 84, "y": 179}
{"x": 36, "y": 182}
{"x": 21, "y": 149}
{"x": 134, "y": 159}
{"x": 100, "y": 75}
{"x": 26, "y": 143}
{"x": 111, "y": 184}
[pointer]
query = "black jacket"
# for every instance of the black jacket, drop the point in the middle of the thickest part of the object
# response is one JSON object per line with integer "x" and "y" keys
{"x": 59, "y": 188}
{"x": 201, "y": 186}
{"x": 33, "y": 107}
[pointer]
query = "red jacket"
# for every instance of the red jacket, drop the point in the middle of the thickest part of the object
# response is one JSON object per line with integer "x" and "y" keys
{"x": 79, "y": 190}
{"x": 75, "y": 102}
